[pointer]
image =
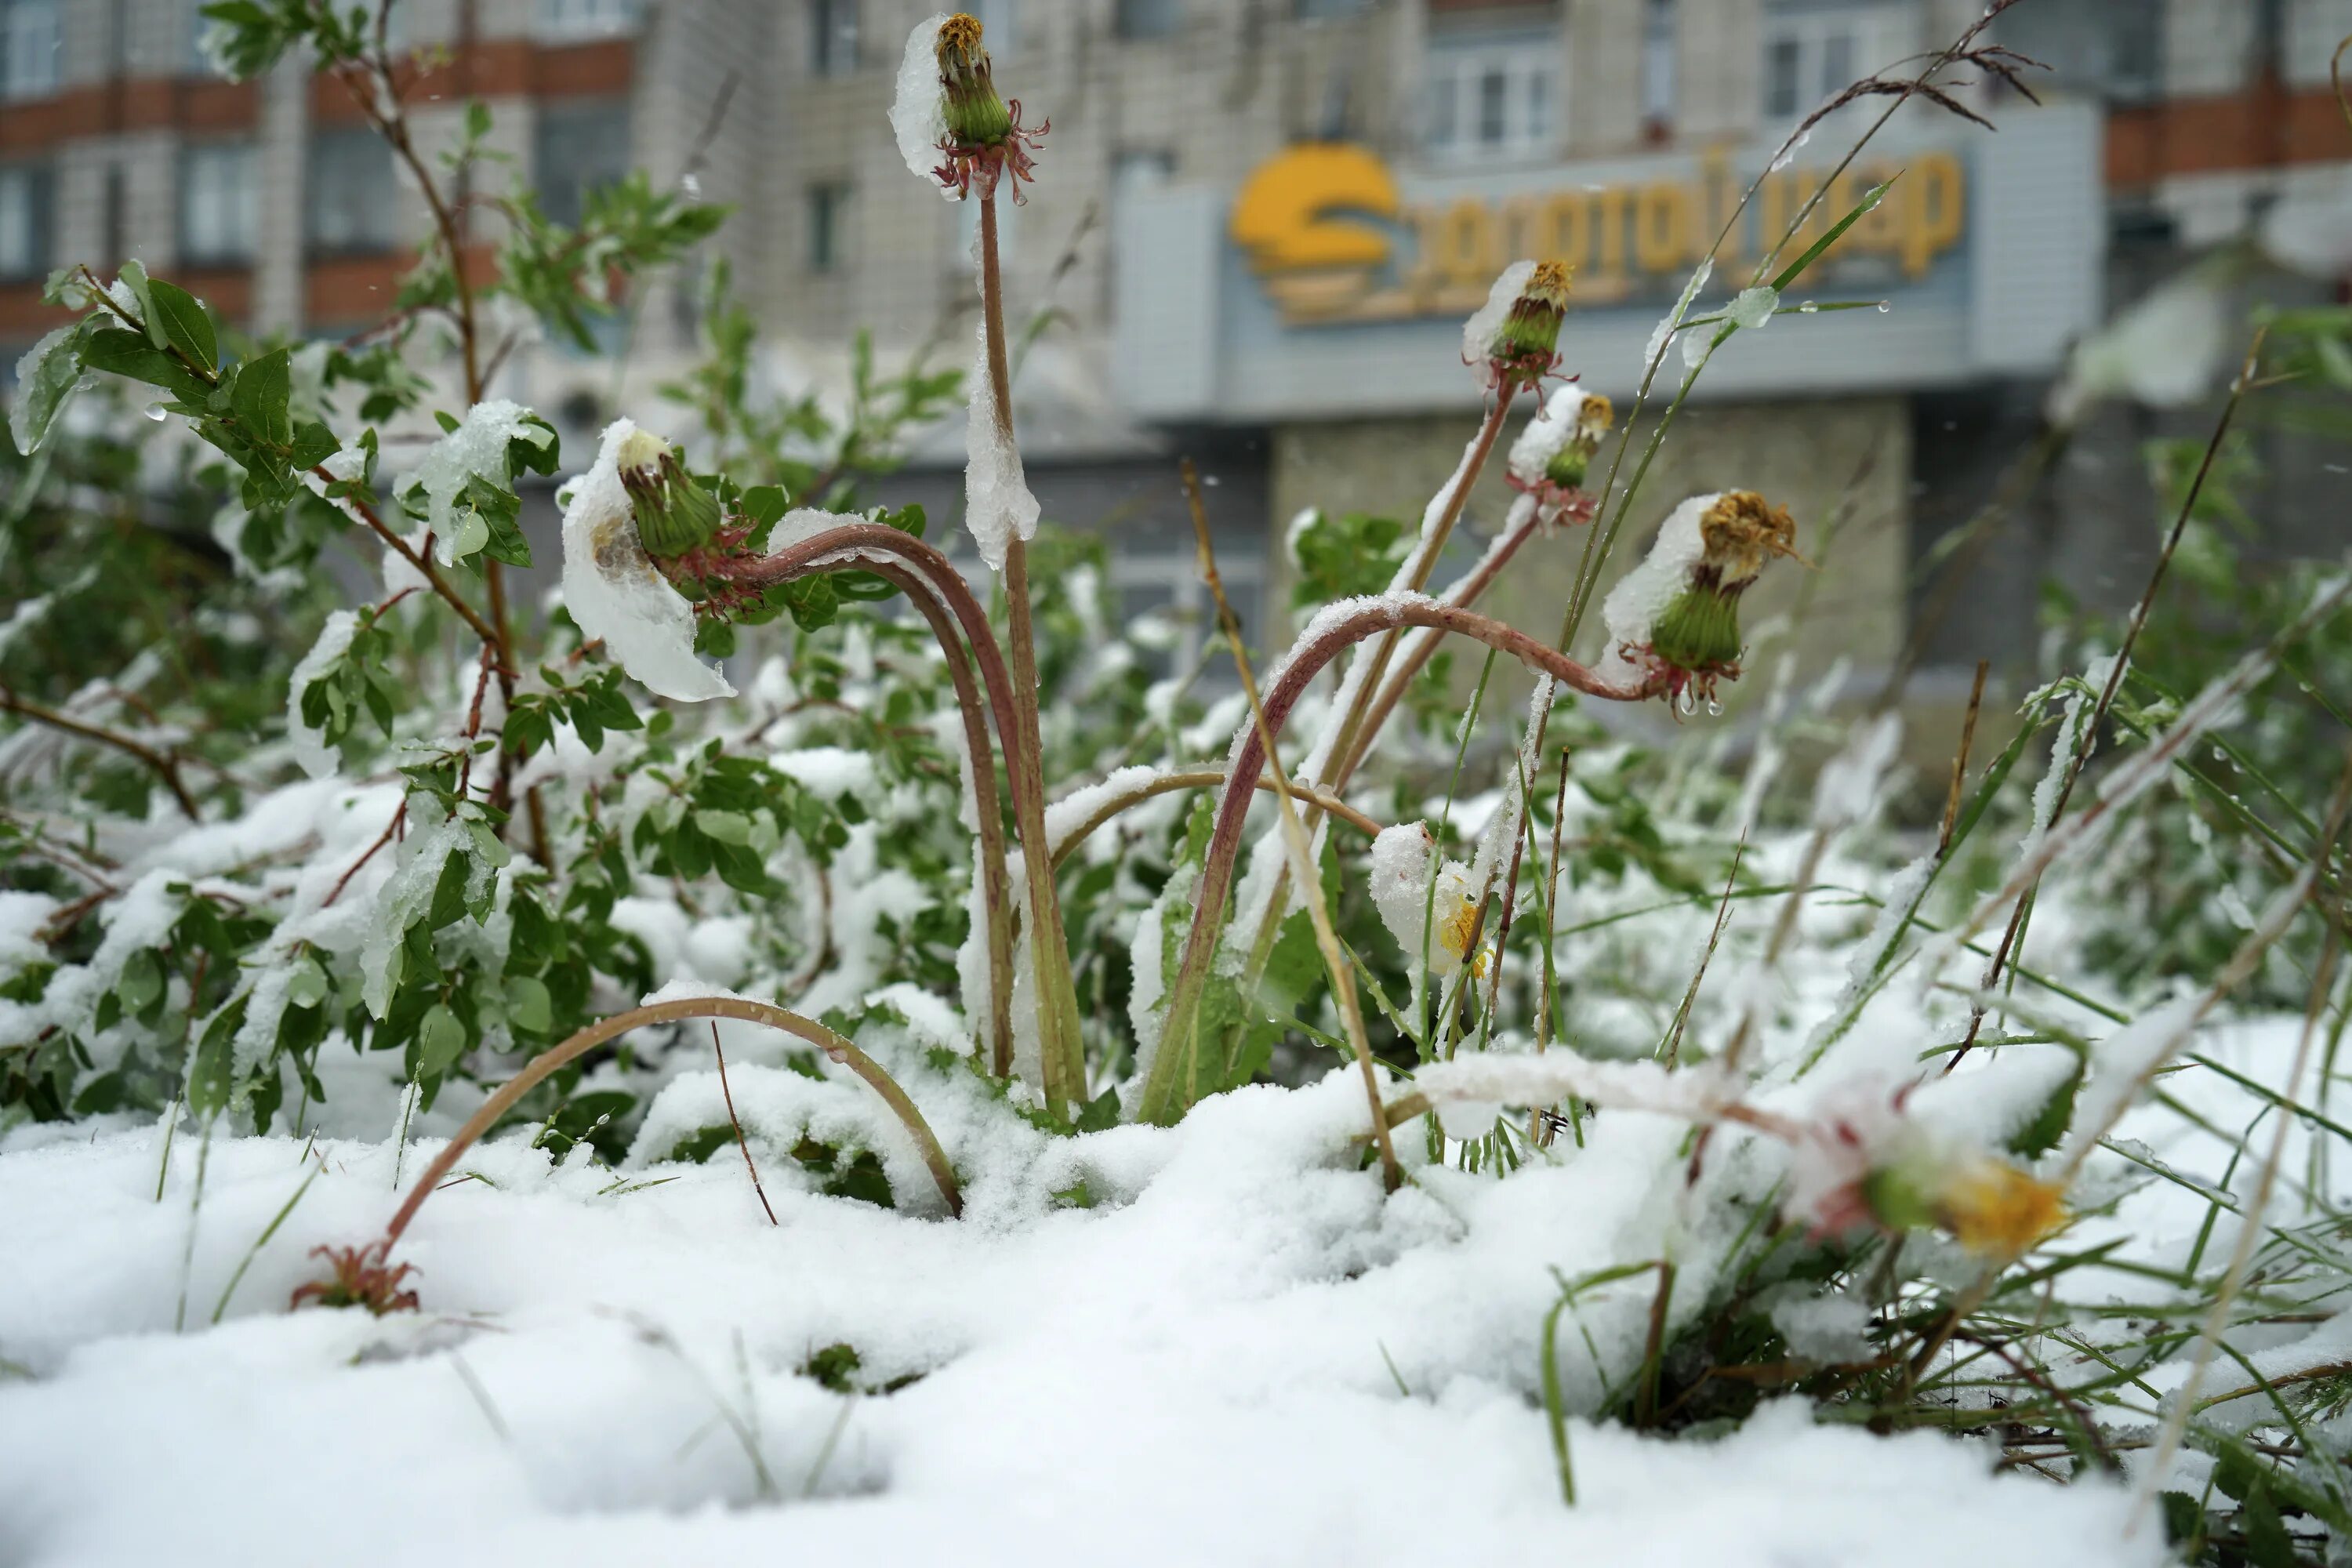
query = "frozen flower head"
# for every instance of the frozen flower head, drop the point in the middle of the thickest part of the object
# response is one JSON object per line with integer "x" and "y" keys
{"x": 981, "y": 134}
{"x": 675, "y": 513}
{"x": 1402, "y": 892}
{"x": 1675, "y": 619}
{"x": 612, "y": 587}
{"x": 1863, "y": 1164}
{"x": 1515, "y": 339}
{"x": 1552, "y": 455}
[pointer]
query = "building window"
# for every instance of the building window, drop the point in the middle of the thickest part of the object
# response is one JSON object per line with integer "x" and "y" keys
{"x": 578, "y": 149}
{"x": 833, "y": 41}
{"x": 350, "y": 194}
{"x": 27, "y": 195}
{"x": 1145, "y": 18}
{"x": 1658, "y": 66}
{"x": 563, "y": 19}
{"x": 217, "y": 203}
{"x": 1000, "y": 24}
{"x": 1812, "y": 54}
{"x": 828, "y": 214}
{"x": 1490, "y": 96}
{"x": 30, "y": 40}
{"x": 1328, "y": 10}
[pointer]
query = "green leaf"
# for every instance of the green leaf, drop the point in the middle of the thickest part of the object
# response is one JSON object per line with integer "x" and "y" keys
{"x": 2041, "y": 1135}
{"x": 210, "y": 1069}
{"x": 440, "y": 1041}
{"x": 529, "y": 1007}
{"x": 47, "y": 380}
{"x": 314, "y": 444}
{"x": 177, "y": 321}
{"x": 120, "y": 352}
{"x": 260, "y": 398}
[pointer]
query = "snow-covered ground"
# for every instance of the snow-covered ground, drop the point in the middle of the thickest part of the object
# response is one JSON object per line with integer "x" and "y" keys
{"x": 1242, "y": 1354}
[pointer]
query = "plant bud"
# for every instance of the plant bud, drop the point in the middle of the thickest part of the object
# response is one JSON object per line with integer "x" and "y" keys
{"x": 674, "y": 513}
{"x": 1698, "y": 634}
{"x": 1567, "y": 467}
{"x": 1526, "y": 345}
{"x": 976, "y": 114}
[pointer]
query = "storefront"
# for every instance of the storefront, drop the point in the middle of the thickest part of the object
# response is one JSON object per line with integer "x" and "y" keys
{"x": 1320, "y": 300}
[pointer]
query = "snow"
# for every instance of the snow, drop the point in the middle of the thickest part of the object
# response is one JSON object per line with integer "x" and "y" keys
{"x": 1478, "y": 332}
{"x": 477, "y": 448}
{"x": 832, "y": 771}
{"x": 310, "y": 743}
{"x": 31, "y": 367}
{"x": 1067, "y": 815}
{"x": 919, "y": 106}
{"x": 1189, "y": 1369}
{"x": 997, "y": 505}
{"x": 615, "y": 593}
{"x": 1400, "y": 882}
{"x": 2122, "y": 1063}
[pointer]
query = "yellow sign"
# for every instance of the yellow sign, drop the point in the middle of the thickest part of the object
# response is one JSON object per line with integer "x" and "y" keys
{"x": 1319, "y": 223}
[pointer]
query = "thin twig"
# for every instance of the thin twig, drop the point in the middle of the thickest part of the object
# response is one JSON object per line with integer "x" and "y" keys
{"x": 163, "y": 764}
{"x": 733, "y": 1121}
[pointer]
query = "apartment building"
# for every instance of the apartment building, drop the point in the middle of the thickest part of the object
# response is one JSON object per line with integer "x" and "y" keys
{"x": 1193, "y": 141}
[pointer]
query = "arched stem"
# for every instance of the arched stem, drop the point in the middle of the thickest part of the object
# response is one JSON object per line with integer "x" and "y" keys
{"x": 1169, "y": 1089}
{"x": 860, "y": 542}
{"x": 1202, "y": 778}
{"x": 743, "y": 1008}
{"x": 988, "y": 855}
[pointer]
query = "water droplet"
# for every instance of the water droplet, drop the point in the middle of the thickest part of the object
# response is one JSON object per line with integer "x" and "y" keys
{"x": 1808, "y": 309}
{"x": 154, "y": 410}
{"x": 1885, "y": 306}
{"x": 1715, "y": 708}
{"x": 691, "y": 184}
{"x": 1210, "y": 480}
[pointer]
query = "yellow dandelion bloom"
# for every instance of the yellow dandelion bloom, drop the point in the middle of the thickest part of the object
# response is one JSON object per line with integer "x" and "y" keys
{"x": 1996, "y": 1210}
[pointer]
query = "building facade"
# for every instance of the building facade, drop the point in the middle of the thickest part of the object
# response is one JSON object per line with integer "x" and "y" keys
{"x": 1205, "y": 158}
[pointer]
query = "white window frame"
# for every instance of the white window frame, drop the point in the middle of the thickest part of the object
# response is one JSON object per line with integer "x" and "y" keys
{"x": 1454, "y": 77}
{"x": 568, "y": 20}
{"x": 220, "y": 192}
{"x": 824, "y": 42}
{"x": 1872, "y": 37}
{"x": 32, "y": 35}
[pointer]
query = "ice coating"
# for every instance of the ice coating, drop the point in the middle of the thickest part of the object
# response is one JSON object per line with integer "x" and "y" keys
{"x": 918, "y": 109}
{"x": 311, "y": 748}
{"x": 615, "y": 593}
{"x": 1478, "y": 332}
{"x": 1546, "y": 434}
{"x": 1753, "y": 308}
{"x": 1655, "y": 349}
{"x": 997, "y": 505}
{"x": 478, "y": 446}
{"x": 1641, "y": 595}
